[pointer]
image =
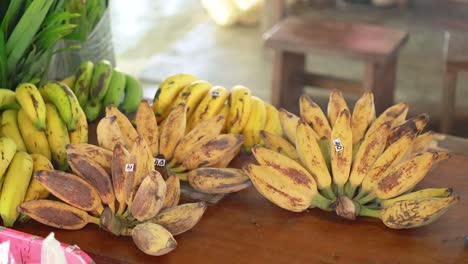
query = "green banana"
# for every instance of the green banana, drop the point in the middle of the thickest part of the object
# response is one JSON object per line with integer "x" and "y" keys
{"x": 83, "y": 81}
{"x": 102, "y": 75}
{"x": 116, "y": 89}
{"x": 64, "y": 100}
{"x": 92, "y": 110}
{"x": 57, "y": 136}
{"x": 10, "y": 128}
{"x": 30, "y": 99}
{"x": 133, "y": 94}
{"x": 8, "y": 99}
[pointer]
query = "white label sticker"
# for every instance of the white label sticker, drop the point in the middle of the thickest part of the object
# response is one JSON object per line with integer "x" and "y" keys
{"x": 129, "y": 167}
{"x": 160, "y": 162}
{"x": 215, "y": 93}
{"x": 338, "y": 146}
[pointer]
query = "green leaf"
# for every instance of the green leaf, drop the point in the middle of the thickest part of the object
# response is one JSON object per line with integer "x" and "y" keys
{"x": 11, "y": 16}
{"x": 3, "y": 62}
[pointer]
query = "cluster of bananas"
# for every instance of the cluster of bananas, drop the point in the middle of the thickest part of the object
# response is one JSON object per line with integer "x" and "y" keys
{"x": 355, "y": 164}
{"x": 244, "y": 114}
{"x": 98, "y": 85}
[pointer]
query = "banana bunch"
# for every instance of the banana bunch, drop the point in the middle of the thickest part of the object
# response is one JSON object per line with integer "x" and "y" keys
{"x": 98, "y": 85}
{"x": 244, "y": 113}
{"x": 16, "y": 170}
{"x": 353, "y": 163}
{"x": 118, "y": 190}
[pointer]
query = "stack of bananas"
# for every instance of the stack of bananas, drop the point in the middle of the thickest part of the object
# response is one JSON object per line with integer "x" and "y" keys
{"x": 355, "y": 164}
{"x": 245, "y": 114}
{"x": 98, "y": 85}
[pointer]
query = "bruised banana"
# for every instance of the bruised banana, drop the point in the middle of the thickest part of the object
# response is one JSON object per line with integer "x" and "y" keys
{"x": 63, "y": 98}
{"x": 172, "y": 132}
{"x": 147, "y": 127}
{"x": 240, "y": 106}
{"x": 34, "y": 139}
{"x": 57, "y": 214}
{"x": 57, "y": 136}
{"x": 218, "y": 180}
{"x": 311, "y": 157}
{"x": 83, "y": 81}
{"x": 36, "y": 190}
{"x": 153, "y": 239}
{"x": 149, "y": 197}
{"x": 279, "y": 144}
{"x": 313, "y": 115}
{"x": 180, "y": 219}
{"x": 70, "y": 189}
{"x": 285, "y": 182}
{"x": 255, "y": 123}
{"x": 119, "y": 159}
{"x": 336, "y": 104}
{"x": 209, "y": 106}
{"x": 168, "y": 91}
{"x": 227, "y": 159}
{"x": 93, "y": 173}
{"x": 363, "y": 116}
{"x": 289, "y": 122}
{"x": 92, "y": 152}
{"x": 272, "y": 123}
{"x": 341, "y": 150}
{"x": 393, "y": 114}
{"x": 128, "y": 131}
{"x": 172, "y": 192}
{"x": 109, "y": 133}
{"x": 424, "y": 193}
{"x": 422, "y": 143}
{"x": 31, "y": 101}
{"x": 414, "y": 125}
{"x": 102, "y": 75}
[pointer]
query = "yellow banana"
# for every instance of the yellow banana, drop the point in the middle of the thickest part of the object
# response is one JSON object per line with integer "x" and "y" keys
{"x": 394, "y": 114}
{"x": 128, "y": 131}
{"x": 191, "y": 96}
{"x": 272, "y": 123}
{"x": 240, "y": 106}
{"x": 7, "y": 150}
{"x": 336, "y": 104}
{"x": 168, "y": 91}
{"x": 30, "y": 99}
{"x": 363, "y": 116}
{"x": 147, "y": 127}
{"x": 8, "y": 99}
{"x": 172, "y": 192}
{"x": 414, "y": 125}
{"x": 422, "y": 143}
{"x": 341, "y": 150}
{"x": 182, "y": 218}
{"x": 149, "y": 197}
{"x": 311, "y": 156}
{"x": 36, "y": 190}
{"x": 63, "y": 98}
{"x": 35, "y": 140}
{"x": 15, "y": 186}
{"x": 109, "y": 133}
{"x": 289, "y": 122}
{"x": 10, "y": 129}
{"x": 313, "y": 115}
{"x": 119, "y": 159}
{"x": 424, "y": 193}
{"x": 69, "y": 81}
{"x": 153, "y": 239}
{"x": 57, "y": 136}
{"x": 255, "y": 123}
{"x": 279, "y": 144}
{"x": 172, "y": 131}
{"x": 218, "y": 180}
{"x": 92, "y": 152}
{"x": 227, "y": 159}
{"x": 225, "y": 112}
{"x": 80, "y": 134}
{"x": 210, "y": 105}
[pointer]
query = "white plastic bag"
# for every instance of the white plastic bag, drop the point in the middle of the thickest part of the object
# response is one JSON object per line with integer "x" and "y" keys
{"x": 51, "y": 251}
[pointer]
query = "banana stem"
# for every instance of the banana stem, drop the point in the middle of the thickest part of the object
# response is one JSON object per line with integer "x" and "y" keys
{"x": 94, "y": 220}
{"x": 179, "y": 169}
{"x": 364, "y": 211}
{"x": 182, "y": 176}
{"x": 322, "y": 202}
{"x": 339, "y": 190}
{"x": 360, "y": 195}
{"x": 172, "y": 163}
{"x": 121, "y": 209}
{"x": 328, "y": 193}
{"x": 349, "y": 190}
{"x": 112, "y": 207}
{"x": 367, "y": 198}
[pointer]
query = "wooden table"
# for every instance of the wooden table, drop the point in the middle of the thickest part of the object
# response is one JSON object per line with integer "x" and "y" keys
{"x": 246, "y": 228}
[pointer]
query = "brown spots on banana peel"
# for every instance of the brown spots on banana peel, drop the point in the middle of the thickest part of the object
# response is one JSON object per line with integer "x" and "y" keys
{"x": 292, "y": 173}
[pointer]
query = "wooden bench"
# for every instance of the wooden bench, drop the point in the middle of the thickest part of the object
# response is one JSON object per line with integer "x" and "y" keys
{"x": 293, "y": 38}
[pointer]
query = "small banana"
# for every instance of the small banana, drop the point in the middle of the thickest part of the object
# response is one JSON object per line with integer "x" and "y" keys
{"x": 128, "y": 131}
{"x": 133, "y": 94}
{"x": 10, "y": 129}
{"x": 36, "y": 190}
{"x": 272, "y": 123}
{"x": 394, "y": 114}
{"x": 172, "y": 132}
{"x": 15, "y": 185}
{"x": 147, "y": 127}
{"x": 93, "y": 173}
{"x": 172, "y": 192}
{"x": 414, "y": 125}
{"x": 115, "y": 93}
{"x": 363, "y": 116}
{"x": 30, "y": 99}
{"x": 313, "y": 115}
{"x": 209, "y": 106}
{"x": 279, "y": 144}
{"x": 71, "y": 189}
{"x": 341, "y": 150}
{"x": 218, "y": 180}
{"x": 57, "y": 214}
{"x": 240, "y": 106}
{"x": 63, "y": 98}
{"x": 424, "y": 193}
{"x": 336, "y": 104}
{"x": 191, "y": 96}
{"x": 8, "y": 99}
{"x": 180, "y": 219}
{"x": 119, "y": 160}
{"x": 289, "y": 122}
{"x": 83, "y": 82}
{"x": 109, "y": 133}
{"x": 57, "y": 136}
{"x": 153, "y": 239}
{"x": 168, "y": 91}
{"x": 80, "y": 135}
{"x": 102, "y": 75}
{"x": 311, "y": 157}
{"x": 422, "y": 143}
{"x": 35, "y": 140}
{"x": 149, "y": 197}
{"x": 7, "y": 151}
{"x": 255, "y": 123}
{"x": 92, "y": 152}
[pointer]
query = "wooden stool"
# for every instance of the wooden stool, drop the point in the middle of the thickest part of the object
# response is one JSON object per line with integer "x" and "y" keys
{"x": 292, "y": 38}
{"x": 456, "y": 60}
